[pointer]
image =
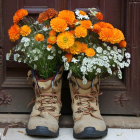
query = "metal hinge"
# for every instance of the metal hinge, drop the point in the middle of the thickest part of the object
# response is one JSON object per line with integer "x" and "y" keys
{"x": 121, "y": 99}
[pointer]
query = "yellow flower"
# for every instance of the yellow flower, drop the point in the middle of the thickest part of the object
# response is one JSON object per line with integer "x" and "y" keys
{"x": 51, "y": 39}
{"x": 39, "y": 37}
{"x": 65, "y": 40}
{"x": 80, "y": 31}
{"x": 75, "y": 48}
{"x": 90, "y": 52}
{"x": 25, "y": 30}
{"x": 58, "y": 24}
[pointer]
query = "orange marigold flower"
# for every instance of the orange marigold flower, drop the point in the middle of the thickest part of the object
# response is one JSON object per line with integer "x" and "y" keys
{"x": 96, "y": 28}
{"x": 51, "y": 13}
{"x": 111, "y": 35}
{"x": 42, "y": 17}
{"x": 19, "y": 15}
{"x": 72, "y": 32}
{"x": 52, "y": 33}
{"x": 68, "y": 56}
{"x": 58, "y": 24}
{"x": 25, "y": 30}
{"x": 99, "y": 16}
{"x": 105, "y": 25}
{"x": 65, "y": 40}
{"x": 75, "y": 48}
{"x": 52, "y": 39}
{"x": 123, "y": 44}
{"x": 82, "y": 13}
{"x": 14, "y": 32}
{"x": 106, "y": 34}
{"x": 39, "y": 37}
{"x": 86, "y": 23}
{"x": 117, "y": 36}
{"x": 80, "y": 31}
{"x": 67, "y": 15}
{"x": 83, "y": 47}
{"x": 90, "y": 52}
{"x": 49, "y": 46}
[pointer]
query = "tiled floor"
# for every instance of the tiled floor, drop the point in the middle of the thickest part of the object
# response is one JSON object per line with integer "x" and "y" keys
{"x": 66, "y": 134}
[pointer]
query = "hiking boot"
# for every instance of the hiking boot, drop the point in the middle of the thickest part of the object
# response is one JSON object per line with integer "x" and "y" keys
{"x": 45, "y": 114}
{"x": 88, "y": 122}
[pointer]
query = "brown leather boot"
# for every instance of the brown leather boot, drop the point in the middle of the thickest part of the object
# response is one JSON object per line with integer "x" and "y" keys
{"x": 46, "y": 111}
{"x": 88, "y": 122}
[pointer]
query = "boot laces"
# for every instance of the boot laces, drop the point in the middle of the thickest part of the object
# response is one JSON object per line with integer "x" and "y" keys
{"x": 46, "y": 100}
{"x": 85, "y": 103}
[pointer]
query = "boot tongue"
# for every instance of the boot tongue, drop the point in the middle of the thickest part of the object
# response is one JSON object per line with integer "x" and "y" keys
{"x": 83, "y": 89}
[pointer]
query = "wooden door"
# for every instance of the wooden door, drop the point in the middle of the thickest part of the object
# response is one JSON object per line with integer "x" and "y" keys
{"x": 123, "y": 14}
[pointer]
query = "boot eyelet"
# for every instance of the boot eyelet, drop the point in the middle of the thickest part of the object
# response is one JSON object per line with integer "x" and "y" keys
{"x": 78, "y": 103}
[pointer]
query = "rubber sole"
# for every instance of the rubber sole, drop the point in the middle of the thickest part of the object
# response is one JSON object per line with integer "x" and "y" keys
{"x": 42, "y": 131}
{"x": 90, "y": 132}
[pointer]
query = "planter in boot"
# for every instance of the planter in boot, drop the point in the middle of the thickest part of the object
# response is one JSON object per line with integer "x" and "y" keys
{"x": 88, "y": 122}
{"x": 45, "y": 114}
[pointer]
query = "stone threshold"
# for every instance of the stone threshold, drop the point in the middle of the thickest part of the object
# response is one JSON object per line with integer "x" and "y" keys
{"x": 66, "y": 121}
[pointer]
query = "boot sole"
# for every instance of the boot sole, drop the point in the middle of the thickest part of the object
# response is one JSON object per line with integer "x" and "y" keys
{"x": 42, "y": 131}
{"x": 90, "y": 132}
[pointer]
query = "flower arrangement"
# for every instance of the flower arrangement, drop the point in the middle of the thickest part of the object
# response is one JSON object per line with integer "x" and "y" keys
{"x": 37, "y": 42}
{"x": 82, "y": 41}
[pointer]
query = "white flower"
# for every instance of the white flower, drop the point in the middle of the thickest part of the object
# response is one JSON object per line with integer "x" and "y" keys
{"x": 113, "y": 65}
{"x": 94, "y": 46}
{"x": 77, "y": 23}
{"x": 69, "y": 74}
{"x": 36, "y": 22}
{"x": 104, "y": 52}
{"x": 66, "y": 65}
{"x": 115, "y": 48}
{"x": 67, "y": 29}
{"x": 79, "y": 16}
{"x": 120, "y": 57}
{"x": 50, "y": 57}
{"x": 35, "y": 58}
{"x": 35, "y": 66}
{"x": 108, "y": 48}
{"x": 45, "y": 28}
{"x": 83, "y": 68}
{"x": 53, "y": 49}
{"x": 107, "y": 65}
{"x": 119, "y": 51}
{"x": 19, "y": 60}
{"x": 26, "y": 44}
{"x": 94, "y": 67}
{"x": 84, "y": 80}
{"x": 49, "y": 49}
{"x": 7, "y": 56}
{"x": 74, "y": 60}
{"x": 54, "y": 54}
{"x": 122, "y": 65}
{"x": 119, "y": 74}
{"x": 98, "y": 70}
{"x": 104, "y": 44}
{"x": 127, "y": 55}
{"x": 126, "y": 64}
{"x": 25, "y": 39}
{"x": 99, "y": 49}
{"x": 64, "y": 59}
{"x": 110, "y": 57}
{"x": 59, "y": 51}
{"x": 23, "y": 49}
{"x": 109, "y": 70}
{"x": 128, "y": 60}
{"x": 105, "y": 58}
{"x": 16, "y": 57}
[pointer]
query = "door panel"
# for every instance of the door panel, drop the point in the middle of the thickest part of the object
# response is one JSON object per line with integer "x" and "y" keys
{"x": 122, "y": 14}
